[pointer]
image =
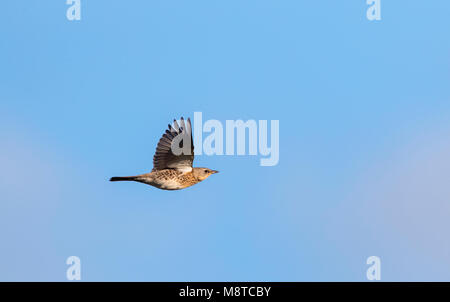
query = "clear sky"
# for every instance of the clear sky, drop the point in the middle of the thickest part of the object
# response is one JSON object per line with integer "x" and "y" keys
{"x": 364, "y": 111}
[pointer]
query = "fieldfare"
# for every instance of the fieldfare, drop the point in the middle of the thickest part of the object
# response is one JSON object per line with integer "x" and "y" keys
{"x": 171, "y": 171}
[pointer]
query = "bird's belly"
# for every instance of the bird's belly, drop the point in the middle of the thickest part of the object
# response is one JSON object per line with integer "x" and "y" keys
{"x": 167, "y": 184}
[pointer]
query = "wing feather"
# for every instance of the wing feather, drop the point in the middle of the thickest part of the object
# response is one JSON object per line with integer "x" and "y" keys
{"x": 164, "y": 158}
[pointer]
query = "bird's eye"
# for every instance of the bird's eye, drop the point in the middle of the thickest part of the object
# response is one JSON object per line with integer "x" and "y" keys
{"x": 206, "y": 171}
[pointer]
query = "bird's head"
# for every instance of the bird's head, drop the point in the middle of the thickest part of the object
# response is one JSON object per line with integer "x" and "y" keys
{"x": 203, "y": 173}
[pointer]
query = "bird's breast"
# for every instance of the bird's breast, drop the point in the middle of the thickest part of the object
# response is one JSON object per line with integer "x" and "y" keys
{"x": 171, "y": 180}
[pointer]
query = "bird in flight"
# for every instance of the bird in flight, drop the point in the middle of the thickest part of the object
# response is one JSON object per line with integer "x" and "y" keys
{"x": 170, "y": 171}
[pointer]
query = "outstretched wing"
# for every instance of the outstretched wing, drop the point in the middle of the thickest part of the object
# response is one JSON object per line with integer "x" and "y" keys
{"x": 175, "y": 149}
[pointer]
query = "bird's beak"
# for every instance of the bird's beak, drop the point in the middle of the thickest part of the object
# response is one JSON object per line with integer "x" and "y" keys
{"x": 214, "y": 171}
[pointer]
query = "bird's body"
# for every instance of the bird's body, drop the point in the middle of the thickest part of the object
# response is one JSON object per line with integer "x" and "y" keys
{"x": 167, "y": 179}
{"x": 170, "y": 171}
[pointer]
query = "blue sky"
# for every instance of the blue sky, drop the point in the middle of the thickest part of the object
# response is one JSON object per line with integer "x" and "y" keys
{"x": 363, "y": 109}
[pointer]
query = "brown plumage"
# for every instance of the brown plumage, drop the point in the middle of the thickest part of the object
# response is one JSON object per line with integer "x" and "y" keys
{"x": 173, "y": 171}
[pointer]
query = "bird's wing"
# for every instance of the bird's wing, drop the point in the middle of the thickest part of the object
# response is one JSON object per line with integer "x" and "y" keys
{"x": 176, "y": 139}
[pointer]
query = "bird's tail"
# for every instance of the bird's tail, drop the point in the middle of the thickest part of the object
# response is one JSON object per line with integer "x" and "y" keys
{"x": 123, "y": 178}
